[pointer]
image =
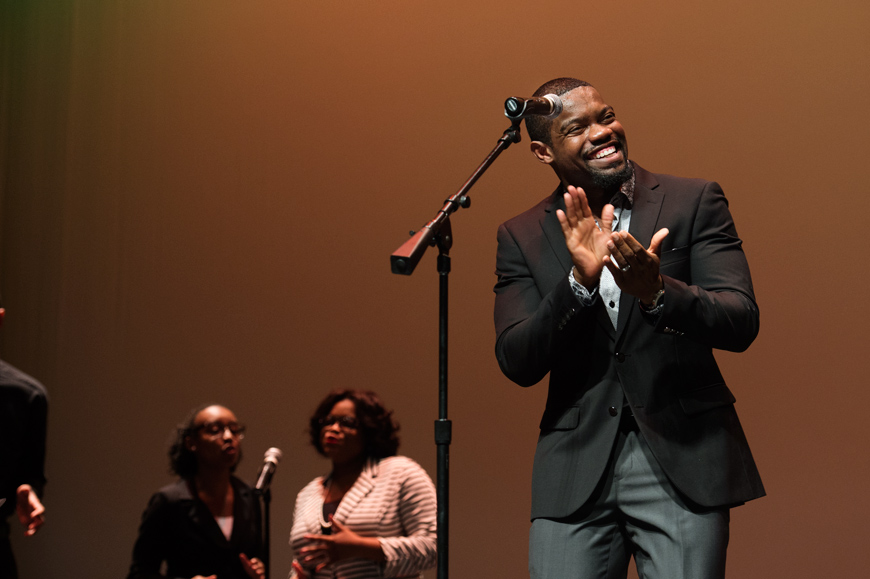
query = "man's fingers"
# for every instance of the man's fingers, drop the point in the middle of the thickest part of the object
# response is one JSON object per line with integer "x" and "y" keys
{"x": 563, "y": 221}
{"x": 585, "y": 211}
{"x": 572, "y": 210}
{"x": 614, "y": 268}
{"x": 607, "y": 219}
{"x": 35, "y": 524}
{"x": 38, "y": 511}
{"x": 655, "y": 245}
{"x": 630, "y": 245}
{"x": 621, "y": 250}
{"x": 616, "y": 259}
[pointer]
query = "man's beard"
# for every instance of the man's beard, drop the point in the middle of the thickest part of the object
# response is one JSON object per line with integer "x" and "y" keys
{"x": 610, "y": 181}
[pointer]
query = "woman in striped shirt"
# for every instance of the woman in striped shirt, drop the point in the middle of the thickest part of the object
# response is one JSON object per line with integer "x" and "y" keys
{"x": 374, "y": 514}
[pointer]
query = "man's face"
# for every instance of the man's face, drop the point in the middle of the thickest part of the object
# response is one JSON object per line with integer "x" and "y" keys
{"x": 589, "y": 148}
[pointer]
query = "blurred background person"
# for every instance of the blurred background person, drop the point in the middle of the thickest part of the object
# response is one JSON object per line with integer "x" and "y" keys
{"x": 207, "y": 524}
{"x": 374, "y": 514}
{"x": 23, "y": 420}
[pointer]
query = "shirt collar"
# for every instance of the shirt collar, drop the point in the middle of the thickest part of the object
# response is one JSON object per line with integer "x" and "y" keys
{"x": 626, "y": 191}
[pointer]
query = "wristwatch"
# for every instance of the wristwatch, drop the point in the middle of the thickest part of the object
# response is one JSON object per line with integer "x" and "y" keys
{"x": 655, "y": 303}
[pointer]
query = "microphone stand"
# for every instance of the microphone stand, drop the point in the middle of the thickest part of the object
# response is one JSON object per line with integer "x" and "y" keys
{"x": 403, "y": 261}
{"x": 266, "y": 495}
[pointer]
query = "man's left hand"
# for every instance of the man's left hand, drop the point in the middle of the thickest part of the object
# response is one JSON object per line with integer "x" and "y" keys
{"x": 635, "y": 269}
{"x": 30, "y": 509}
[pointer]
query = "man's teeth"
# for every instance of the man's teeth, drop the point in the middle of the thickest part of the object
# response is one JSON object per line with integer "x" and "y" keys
{"x": 604, "y": 152}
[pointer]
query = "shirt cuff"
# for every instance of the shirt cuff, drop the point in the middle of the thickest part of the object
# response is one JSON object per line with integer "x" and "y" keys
{"x": 583, "y": 295}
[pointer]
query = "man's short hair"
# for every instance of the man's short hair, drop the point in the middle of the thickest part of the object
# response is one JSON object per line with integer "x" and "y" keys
{"x": 539, "y": 126}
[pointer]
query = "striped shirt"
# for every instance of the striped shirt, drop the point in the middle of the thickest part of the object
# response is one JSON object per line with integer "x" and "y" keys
{"x": 392, "y": 499}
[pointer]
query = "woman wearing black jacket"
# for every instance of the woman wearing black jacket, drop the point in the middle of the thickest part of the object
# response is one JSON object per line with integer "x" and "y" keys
{"x": 207, "y": 525}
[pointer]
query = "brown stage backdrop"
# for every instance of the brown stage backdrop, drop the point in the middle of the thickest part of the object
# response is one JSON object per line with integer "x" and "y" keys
{"x": 199, "y": 200}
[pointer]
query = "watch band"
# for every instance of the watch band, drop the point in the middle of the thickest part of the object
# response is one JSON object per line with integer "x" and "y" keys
{"x": 655, "y": 303}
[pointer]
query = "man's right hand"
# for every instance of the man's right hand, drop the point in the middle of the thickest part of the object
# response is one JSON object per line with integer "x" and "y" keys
{"x": 31, "y": 512}
{"x": 586, "y": 242}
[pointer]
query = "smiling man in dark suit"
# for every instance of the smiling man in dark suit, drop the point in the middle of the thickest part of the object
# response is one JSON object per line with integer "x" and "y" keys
{"x": 620, "y": 284}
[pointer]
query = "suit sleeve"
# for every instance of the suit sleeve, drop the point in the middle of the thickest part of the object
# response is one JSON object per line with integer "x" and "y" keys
{"x": 532, "y": 327}
{"x": 716, "y": 307}
{"x": 416, "y": 551}
{"x": 33, "y": 458}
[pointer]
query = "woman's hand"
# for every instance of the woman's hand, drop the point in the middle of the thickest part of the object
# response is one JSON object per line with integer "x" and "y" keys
{"x": 343, "y": 543}
{"x": 253, "y": 567}
{"x": 300, "y": 572}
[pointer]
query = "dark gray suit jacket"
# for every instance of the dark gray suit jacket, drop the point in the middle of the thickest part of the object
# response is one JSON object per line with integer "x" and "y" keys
{"x": 664, "y": 367}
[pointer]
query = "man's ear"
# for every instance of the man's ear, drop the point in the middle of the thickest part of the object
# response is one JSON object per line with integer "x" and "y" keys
{"x": 542, "y": 151}
{"x": 188, "y": 444}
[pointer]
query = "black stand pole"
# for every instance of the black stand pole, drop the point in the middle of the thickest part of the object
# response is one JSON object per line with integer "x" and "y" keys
{"x": 403, "y": 261}
{"x": 267, "y": 500}
{"x": 443, "y": 426}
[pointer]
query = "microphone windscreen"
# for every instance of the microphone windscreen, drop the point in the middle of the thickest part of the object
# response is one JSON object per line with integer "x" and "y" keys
{"x": 273, "y": 455}
{"x": 557, "y": 105}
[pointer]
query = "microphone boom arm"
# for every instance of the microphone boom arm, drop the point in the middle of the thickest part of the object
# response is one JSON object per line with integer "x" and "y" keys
{"x": 404, "y": 260}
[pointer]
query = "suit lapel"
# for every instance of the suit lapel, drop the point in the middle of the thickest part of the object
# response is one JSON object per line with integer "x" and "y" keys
{"x": 646, "y": 208}
{"x": 202, "y": 518}
{"x": 644, "y": 216}
{"x": 241, "y": 504}
{"x": 553, "y": 231}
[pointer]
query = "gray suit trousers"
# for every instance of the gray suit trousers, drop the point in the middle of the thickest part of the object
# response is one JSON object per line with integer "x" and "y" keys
{"x": 634, "y": 512}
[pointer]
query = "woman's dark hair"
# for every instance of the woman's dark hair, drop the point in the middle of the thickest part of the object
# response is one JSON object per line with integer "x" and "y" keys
{"x": 376, "y": 424}
{"x": 182, "y": 461}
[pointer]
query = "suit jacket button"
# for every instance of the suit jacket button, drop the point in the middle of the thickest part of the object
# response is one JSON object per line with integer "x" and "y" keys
{"x": 620, "y": 357}
{"x": 613, "y": 411}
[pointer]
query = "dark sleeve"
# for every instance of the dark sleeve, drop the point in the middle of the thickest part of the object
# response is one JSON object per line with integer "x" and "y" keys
{"x": 531, "y": 327}
{"x": 150, "y": 548}
{"x": 33, "y": 458}
{"x": 717, "y": 306}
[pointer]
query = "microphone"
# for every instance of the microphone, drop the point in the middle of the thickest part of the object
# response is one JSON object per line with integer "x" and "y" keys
{"x": 270, "y": 463}
{"x": 548, "y": 106}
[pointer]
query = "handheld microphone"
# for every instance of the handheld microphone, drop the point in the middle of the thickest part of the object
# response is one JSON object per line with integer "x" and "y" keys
{"x": 270, "y": 463}
{"x": 548, "y": 106}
